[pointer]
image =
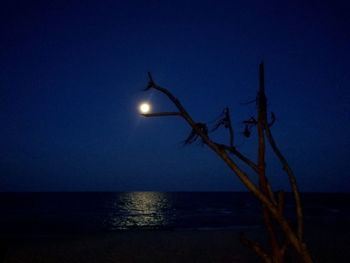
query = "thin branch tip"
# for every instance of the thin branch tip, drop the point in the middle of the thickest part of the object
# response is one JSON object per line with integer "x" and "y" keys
{"x": 161, "y": 114}
{"x": 151, "y": 83}
{"x": 150, "y": 76}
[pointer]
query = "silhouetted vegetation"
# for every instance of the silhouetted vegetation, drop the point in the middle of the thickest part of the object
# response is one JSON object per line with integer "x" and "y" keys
{"x": 283, "y": 237}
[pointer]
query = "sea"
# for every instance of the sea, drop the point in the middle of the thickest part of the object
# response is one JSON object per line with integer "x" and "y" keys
{"x": 92, "y": 212}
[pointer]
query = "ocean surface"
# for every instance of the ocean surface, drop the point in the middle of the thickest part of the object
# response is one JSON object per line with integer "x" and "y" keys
{"x": 89, "y": 212}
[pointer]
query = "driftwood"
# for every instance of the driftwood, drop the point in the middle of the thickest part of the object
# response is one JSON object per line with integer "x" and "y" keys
{"x": 276, "y": 223}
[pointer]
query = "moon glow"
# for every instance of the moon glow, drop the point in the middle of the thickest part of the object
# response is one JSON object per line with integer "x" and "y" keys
{"x": 145, "y": 107}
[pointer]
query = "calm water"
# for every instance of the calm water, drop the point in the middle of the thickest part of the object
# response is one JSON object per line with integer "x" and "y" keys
{"x": 95, "y": 212}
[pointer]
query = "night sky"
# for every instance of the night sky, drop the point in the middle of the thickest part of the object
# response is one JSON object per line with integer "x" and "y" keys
{"x": 72, "y": 74}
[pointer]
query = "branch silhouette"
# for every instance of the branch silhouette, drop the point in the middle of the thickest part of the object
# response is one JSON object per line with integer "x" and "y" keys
{"x": 272, "y": 208}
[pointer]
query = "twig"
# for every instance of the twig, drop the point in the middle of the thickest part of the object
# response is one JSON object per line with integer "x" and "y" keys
{"x": 228, "y": 116}
{"x": 161, "y": 114}
{"x": 257, "y": 248}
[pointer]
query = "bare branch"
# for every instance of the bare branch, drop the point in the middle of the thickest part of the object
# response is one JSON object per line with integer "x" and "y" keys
{"x": 150, "y": 77}
{"x": 229, "y": 124}
{"x": 264, "y": 198}
{"x": 225, "y": 120}
{"x": 292, "y": 182}
{"x": 273, "y": 119}
{"x": 257, "y": 248}
{"x": 240, "y": 156}
{"x": 150, "y": 82}
{"x": 194, "y": 136}
{"x": 161, "y": 114}
{"x": 263, "y": 181}
{"x": 223, "y": 155}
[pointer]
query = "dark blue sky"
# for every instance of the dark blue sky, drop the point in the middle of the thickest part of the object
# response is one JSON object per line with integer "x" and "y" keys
{"x": 71, "y": 74}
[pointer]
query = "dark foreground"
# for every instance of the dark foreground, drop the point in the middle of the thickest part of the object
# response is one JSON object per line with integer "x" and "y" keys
{"x": 328, "y": 243}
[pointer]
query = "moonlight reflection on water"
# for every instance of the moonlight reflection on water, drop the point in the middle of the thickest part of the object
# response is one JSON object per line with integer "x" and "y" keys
{"x": 139, "y": 209}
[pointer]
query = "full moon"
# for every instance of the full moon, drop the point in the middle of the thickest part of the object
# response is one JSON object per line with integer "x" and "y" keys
{"x": 145, "y": 107}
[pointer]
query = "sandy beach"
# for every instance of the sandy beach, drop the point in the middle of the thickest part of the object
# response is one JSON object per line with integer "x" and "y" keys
{"x": 329, "y": 244}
